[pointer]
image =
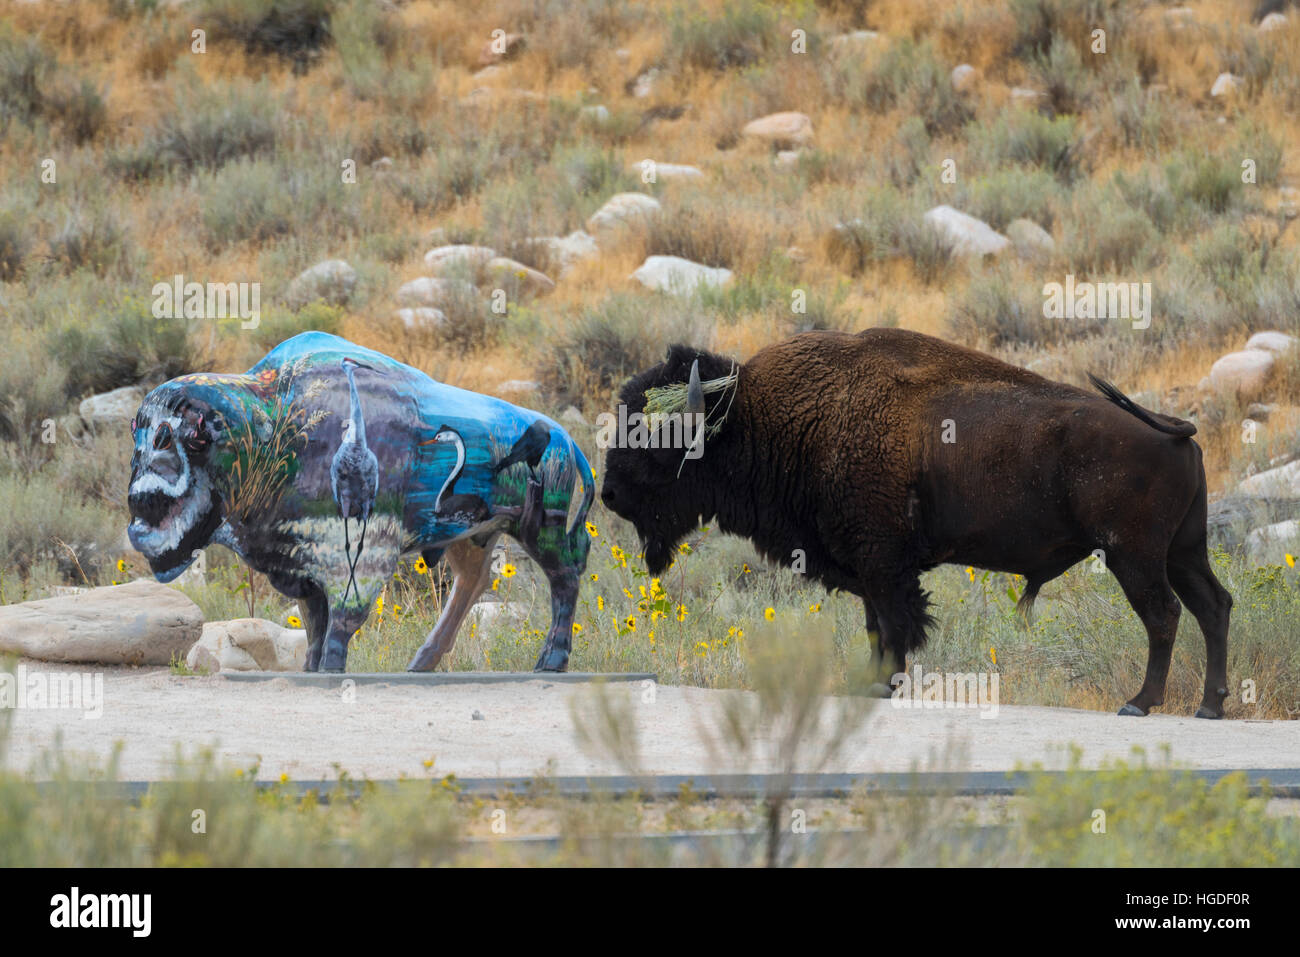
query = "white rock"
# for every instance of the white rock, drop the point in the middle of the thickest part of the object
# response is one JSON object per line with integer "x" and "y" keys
{"x": 517, "y": 387}
{"x": 565, "y": 252}
{"x": 666, "y": 171}
{"x": 644, "y": 84}
{"x": 1244, "y": 373}
{"x": 676, "y": 275}
{"x": 787, "y": 159}
{"x": 969, "y": 236}
{"x": 422, "y": 318}
{"x": 488, "y": 614}
{"x": 1274, "y": 21}
{"x": 248, "y": 644}
{"x": 488, "y": 72}
{"x": 432, "y": 291}
{"x": 501, "y": 47}
{"x": 573, "y": 415}
{"x": 854, "y": 42}
{"x": 331, "y": 281}
{"x": 459, "y": 258}
{"x": 139, "y": 623}
{"x": 1026, "y": 95}
{"x": 1281, "y": 482}
{"x": 1271, "y": 544}
{"x": 963, "y": 77}
{"x": 1277, "y": 342}
{"x": 1032, "y": 241}
{"x": 1225, "y": 85}
{"x": 529, "y": 280}
{"x": 383, "y": 163}
{"x": 622, "y": 209}
{"x": 112, "y": 408}
{"x": 781, "y": 128}
{"x": 597, "y": 114}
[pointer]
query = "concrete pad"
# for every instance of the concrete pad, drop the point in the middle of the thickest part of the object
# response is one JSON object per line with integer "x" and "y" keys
{"x": 525, "y": 728}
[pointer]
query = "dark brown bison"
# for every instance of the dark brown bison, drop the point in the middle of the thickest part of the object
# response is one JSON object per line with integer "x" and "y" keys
{"x": 871, "y": 458}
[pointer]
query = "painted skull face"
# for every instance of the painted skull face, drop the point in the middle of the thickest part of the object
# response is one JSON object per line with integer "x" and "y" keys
{"x": 174, "y": 507}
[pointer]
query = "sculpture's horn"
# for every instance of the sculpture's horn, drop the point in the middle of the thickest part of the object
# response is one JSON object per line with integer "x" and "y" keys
{"x": 695, "y": 391}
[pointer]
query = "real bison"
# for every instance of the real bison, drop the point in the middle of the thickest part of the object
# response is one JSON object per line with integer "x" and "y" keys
{"x": 883, "y": 454}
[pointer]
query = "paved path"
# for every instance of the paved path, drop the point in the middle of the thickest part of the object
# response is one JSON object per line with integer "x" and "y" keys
{"x": 526, "y": 727}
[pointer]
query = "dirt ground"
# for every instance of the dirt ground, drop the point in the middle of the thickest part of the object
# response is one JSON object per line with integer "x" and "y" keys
{"x": 527, "y": 728}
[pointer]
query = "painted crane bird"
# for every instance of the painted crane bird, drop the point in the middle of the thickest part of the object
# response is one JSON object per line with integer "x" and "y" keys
{"x": 354, "y": 472}
{"x": 275, "y": 462}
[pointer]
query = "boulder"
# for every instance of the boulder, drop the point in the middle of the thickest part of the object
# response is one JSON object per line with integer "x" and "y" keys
{"x": 1225, "y": 85}
{"x": 623, "y": 209}
{"x": 518, "y": 387}
{"x": 1032, "y": 241}
{"x": 665, "y": 171}
{"x": 789, "y": 127}
{"x": 140, "y": 623}
{"x": 1274, "y": 21}
{"x": 565, "y": 252}
{"x": 1281, "y": 482}
{"x": 854, "y": 42}
{"x": 969, "y": 236}
{"x": 596, "y": 114}
{"x": 1245, "y": 374}
{"x": 644, "y": 84}
{"x": 459, "y": 259}
{"x": 963, "y": 77}
{"x": 787, "y": 159}
{"x": 1231, "y": 517}
{"x": 677, "y": 275}
{"x": 431, "y": 291}
{"x": 529, "y": 281}
{"x": 1271, "y": 544}
{"x": 422, "y": 318}
{"x": 573, "y": 416}
{"x": 112, "y": 409}
{"x": 1276, "y": 342}
{"x": 331, "y": 281}
{"x": 248, "y": 644}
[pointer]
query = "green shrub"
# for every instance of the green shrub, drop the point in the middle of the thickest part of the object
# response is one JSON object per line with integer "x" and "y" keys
{"x": 739, "y": 36}
{"x": 1210, "y": 182}
{"x": 35, "y": 87}
{"x": 255, "y": 201}
{"x": 910, "y": 76}
{"x": 46, "y": 524}
{"x": 293, "y": 29}
{"x": 1029, "y": 139}
{"x": 120, "y": 344}
{"x": 1103, "y": 232}
{"x": 1062, "y": 76}
{"x": 205, "y": 130}
{"x": 622, "y": 335}
{"x": 996, "y": 310}
{"x": 1009, "y": 194}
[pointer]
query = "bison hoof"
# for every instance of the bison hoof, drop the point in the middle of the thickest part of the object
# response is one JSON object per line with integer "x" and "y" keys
{"x": 879, "y": 690}
{"x": 1131, "y": 710}
{"x": 1204, "y": 712}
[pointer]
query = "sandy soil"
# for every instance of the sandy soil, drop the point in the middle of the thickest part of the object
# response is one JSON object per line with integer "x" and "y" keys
{"x": 388, "y": 731}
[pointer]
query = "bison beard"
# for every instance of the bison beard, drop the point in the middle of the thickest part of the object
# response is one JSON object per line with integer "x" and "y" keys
{"x": 881, "y": 455}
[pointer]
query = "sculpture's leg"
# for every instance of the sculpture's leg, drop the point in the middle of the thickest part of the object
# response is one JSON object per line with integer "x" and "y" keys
{"x": 316, "y": 616}
{"x": 471, "y": 565}
{"x": 564, "y": 601}
{"x": 348, "y": 615}
{"x": 530, "y": 518}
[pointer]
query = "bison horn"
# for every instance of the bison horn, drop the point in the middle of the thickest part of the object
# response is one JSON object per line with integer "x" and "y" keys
{"x": 695, "y": 391}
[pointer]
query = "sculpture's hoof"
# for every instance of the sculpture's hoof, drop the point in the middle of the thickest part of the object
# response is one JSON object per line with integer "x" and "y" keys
{"x": 1204, "y": 712}
{"x": 878, "y": 690}
{"x": 552, "y": 661}
{"x": 1132, "y": 711}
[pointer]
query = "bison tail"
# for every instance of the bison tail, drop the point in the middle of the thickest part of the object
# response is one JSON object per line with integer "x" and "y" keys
{"x": 1025, "y": 607}
{"x": 1161, "y": 423}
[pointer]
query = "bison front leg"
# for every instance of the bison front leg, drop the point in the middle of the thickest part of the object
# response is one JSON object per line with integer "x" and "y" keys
{"x": 347, "y": 615}
{"x": 472, "y": 566}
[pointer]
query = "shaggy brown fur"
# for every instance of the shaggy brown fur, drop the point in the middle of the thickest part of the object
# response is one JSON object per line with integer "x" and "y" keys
{"x": 834, "y": 447}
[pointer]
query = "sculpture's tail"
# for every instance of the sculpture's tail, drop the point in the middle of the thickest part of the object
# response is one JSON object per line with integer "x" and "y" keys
{"x": 588, "y": 488}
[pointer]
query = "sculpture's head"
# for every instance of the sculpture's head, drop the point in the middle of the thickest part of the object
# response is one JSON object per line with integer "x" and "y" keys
{"x": 174, "y": 504}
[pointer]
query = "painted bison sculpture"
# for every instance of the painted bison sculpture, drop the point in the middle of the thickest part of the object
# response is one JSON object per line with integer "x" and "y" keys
{"x": 326, "y": 463}
{"x": 871, "y": 458}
